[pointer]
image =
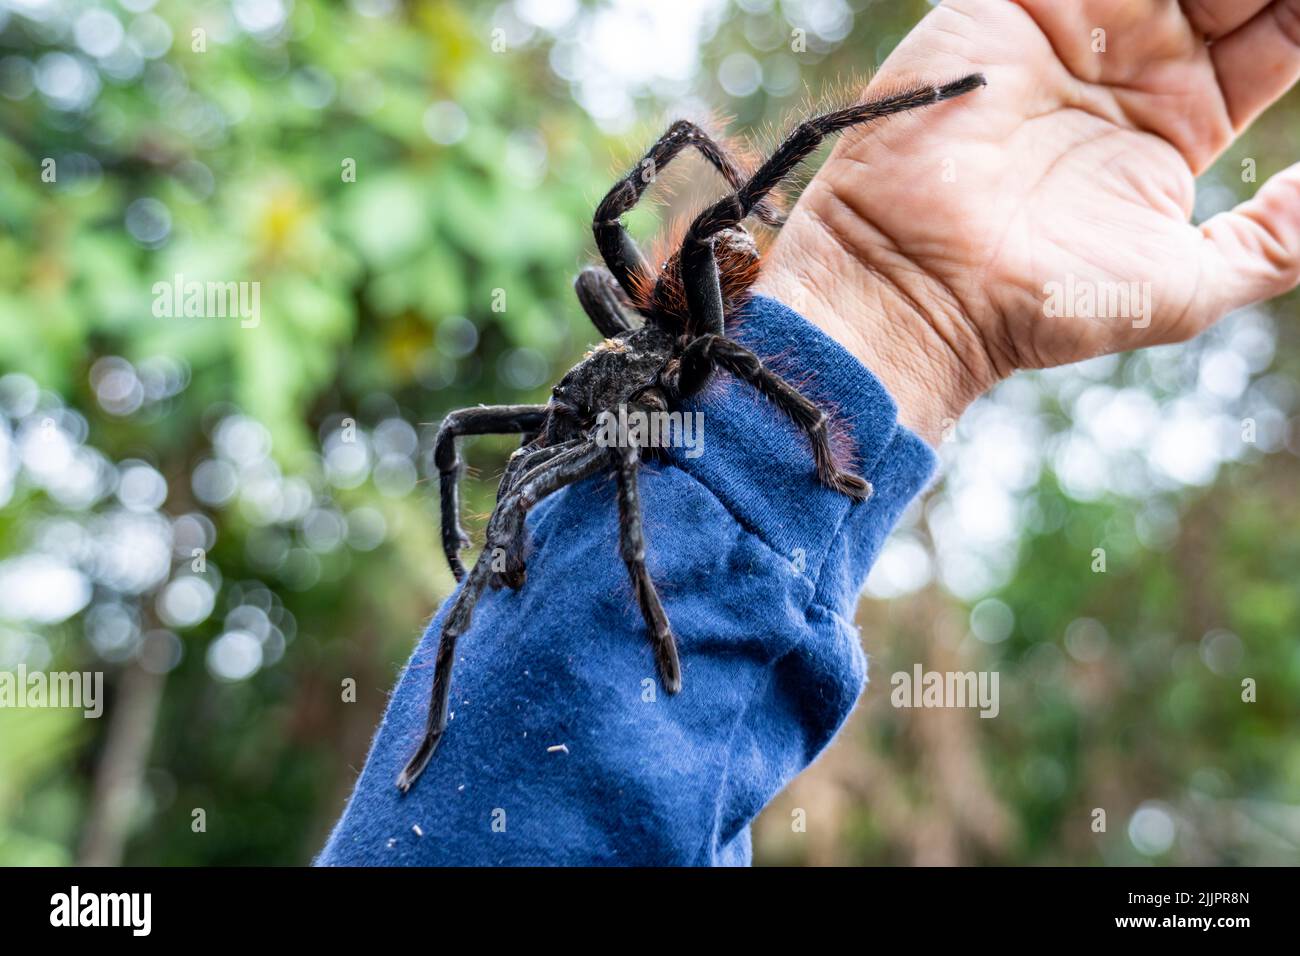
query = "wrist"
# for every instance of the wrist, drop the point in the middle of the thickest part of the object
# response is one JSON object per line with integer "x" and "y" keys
{"x": 915, "y": 340}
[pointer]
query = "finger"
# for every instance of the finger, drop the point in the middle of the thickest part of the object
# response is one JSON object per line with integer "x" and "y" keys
{"x": 1217, "y": 18}
{"x": 1252, "y": 252}
{"x": 1259, "y": 61}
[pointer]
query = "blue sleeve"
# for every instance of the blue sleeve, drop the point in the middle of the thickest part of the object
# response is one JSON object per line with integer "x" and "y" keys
{"x": 562, "y": 748}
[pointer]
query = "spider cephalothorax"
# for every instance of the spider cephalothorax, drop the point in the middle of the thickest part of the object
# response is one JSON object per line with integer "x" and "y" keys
{"x": 605, "y": 378}
{"x": 647, "y": 368}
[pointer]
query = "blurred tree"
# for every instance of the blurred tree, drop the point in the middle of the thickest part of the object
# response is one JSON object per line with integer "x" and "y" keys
{"x": 229, "y": 514}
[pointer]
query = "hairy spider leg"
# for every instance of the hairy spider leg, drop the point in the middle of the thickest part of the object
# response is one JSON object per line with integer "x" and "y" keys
{"x": 559, "y": 472}
{"x": 484, "y": 420}
{"x": 706, "y": 352}
{"x": 625, "y": 261}
{"x": 699, "y": 266}
{"x": 598, "y": 294}
{"x": 631, "y": 545}
{"x": 524, "y": 462}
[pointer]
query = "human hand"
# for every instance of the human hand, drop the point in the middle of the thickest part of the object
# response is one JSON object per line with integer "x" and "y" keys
{"x": 929, "y": 245}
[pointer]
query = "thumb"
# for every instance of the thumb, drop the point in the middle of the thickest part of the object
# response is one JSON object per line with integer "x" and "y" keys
{"x": 1252, "y": 252}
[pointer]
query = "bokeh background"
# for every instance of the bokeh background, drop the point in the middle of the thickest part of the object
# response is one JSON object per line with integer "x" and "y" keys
{"x": 232, "y": 522}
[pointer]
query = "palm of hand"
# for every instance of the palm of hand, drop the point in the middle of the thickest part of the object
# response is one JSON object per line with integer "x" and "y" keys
{"x": 1071, "y": 174}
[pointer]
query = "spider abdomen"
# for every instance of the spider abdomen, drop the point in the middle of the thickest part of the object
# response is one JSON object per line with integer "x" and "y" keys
{"x": 738, "y": 262}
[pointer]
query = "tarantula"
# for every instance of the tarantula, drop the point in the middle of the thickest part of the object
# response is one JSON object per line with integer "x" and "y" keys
{"x": 651, "y": 367}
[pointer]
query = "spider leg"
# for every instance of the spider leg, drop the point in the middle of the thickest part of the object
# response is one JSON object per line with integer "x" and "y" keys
{"x": 708, "y": 351}
{"x": 507, "y": 530}
{"x": 561, "y": 471}
{"x": 620, "y": 253}
{"x": 522, "y": 460}
{"x": 484, "y": 420}
{"x": 523, "y": 463}
{"x": 631, "y": 544}
{"x": 700, "y": 269}
{"x": 598, "y": 293}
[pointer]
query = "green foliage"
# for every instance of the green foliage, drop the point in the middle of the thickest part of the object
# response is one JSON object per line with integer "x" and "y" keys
{"x": 468, "y": 179}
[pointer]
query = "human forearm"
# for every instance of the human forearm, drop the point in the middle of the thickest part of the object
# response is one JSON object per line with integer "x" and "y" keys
{"x": 564, "y": 748}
